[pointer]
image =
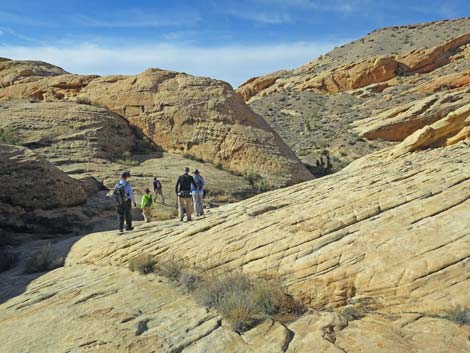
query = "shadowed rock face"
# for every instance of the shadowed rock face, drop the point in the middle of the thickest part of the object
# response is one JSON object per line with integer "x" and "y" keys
{"x": 33, "y": 190}
{"x": 191, "y": 115}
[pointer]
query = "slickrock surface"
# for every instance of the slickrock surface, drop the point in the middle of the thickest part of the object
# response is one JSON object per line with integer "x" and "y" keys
{"x": 197, "y": 116}
{"x": 388, "y": 236}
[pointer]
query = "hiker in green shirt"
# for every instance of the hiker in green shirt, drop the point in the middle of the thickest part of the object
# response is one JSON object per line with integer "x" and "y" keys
{"x": 147, "y": 204}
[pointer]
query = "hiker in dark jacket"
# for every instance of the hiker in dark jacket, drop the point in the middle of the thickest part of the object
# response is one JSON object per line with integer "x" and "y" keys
{"x": 183, "y": 191}
{"x": 124, "y": 198}
{"x": 158, "y": 189}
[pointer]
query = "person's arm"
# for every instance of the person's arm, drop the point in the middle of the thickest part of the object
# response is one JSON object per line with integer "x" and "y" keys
{"x": 130, "y": 192}
{"x": 177, "y": 185}
{"x": 194, "y": 183}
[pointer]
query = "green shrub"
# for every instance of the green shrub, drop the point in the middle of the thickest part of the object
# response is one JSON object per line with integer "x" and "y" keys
{"x": 10, "y": 137}
{"x": 143, "y": 264}
{"x": 127, "y": 159}
{"x": 459, "y": 314}
{"x": 244, "y": 301}
{"x": 170, "y": 269}
{"x": 83, "y": 100}
{"x": 258, "y": 183}
{"x": 189, "y": 281}
{"x": 45, "y": 259}
{"x": 351, "y": 313}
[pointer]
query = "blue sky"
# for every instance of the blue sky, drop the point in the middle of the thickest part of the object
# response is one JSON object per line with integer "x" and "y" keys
{"x": 229, "y": 40}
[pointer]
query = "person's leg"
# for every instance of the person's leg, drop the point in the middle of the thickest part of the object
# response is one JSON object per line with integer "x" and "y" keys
{"x": 147, "y": 214}
{"x": 128, "y": 214}
{"x": 201, "y": 203}
{"x": 195, "y": 198}
{"x": 120, "y": 213}
{"x": 189, "y": 207}
{"x": 161, "y": 196}
{"x": 181, "y": 207}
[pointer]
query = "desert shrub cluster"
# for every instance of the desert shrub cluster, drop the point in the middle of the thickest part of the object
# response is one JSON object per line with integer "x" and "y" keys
{"x": 241, "y": 299}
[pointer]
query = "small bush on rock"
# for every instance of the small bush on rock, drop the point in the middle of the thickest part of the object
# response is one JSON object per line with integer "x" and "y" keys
{"x": 44, "y": 259}
{"x": 143, "y": 264}
{"x": 10, "y": 137}
{"x": 170, "y": 269}
{"x": 459, "y": 314}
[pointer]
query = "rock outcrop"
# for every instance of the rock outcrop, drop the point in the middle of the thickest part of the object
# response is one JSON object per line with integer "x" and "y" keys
{"x": 455, "y": 127}
{"x": 15, "y": 71}
{"x": 358, "y": 74}
{"x": 67, "y": 131}
{"x": 386, "y": 236}
{"x": 399, "y": 122}
{"x": 35, "y": 196}
{"x": 196, "y": 116}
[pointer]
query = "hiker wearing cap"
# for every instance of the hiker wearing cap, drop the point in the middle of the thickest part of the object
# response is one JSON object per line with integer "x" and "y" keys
{"x": 123, "y": 197}
{"x": 158, "y": 189}
{"x": 146, "y": 205}
{"x": 197, "y": 190}
{"x": 183, "y": 192}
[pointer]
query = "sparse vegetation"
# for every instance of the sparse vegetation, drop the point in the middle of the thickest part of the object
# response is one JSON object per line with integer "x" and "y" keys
{"x": 127, "y": 159}
{"x": 459, "y": 314}
{"x": 352, "y": 313}
{"x": 143, "y": 264}
{"x": 44, "y": 259}
{"x": 197, "y": 159}
{"x": 258, "y": 183}
{"x": 10, "y": 137}
{"x": 240, "y": 299}
{"x": 8, "y": 260}
{"x": 83, "y": 100}
{"x": 244, "y": 300}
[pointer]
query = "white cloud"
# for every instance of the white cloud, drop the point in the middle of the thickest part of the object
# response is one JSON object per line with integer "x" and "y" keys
{"x": 135, "y": 18}
{"x": 260, "y": 16}
{"x": 234, "y": 64}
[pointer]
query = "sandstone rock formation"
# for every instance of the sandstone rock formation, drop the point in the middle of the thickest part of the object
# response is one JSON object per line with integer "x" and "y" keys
{"x": 389, "y": 237}
{"x": 200, "y": 117}
{"x": 68, "y": 131}
{"x": 397, "y": 123}
{"x": 14, "y": 71}
{"x": 35, "y": 196}
{"x": 455, "y": 127}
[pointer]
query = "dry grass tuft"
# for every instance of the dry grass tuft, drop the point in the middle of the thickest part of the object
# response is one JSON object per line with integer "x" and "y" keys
{"x": 143, "y": 264}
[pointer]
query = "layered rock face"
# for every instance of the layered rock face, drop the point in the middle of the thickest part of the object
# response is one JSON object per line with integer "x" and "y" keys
{"x": 397, "y": 123}
{"x": 16, "y": 71}
{"x": 389, "y": 236}
{"x": 200, "y": 117}
{"x": 367, "y": 94}
{"x": 358, "y": 74}
{"x": 67, "y": 131}
{"x": 35, "y": 195}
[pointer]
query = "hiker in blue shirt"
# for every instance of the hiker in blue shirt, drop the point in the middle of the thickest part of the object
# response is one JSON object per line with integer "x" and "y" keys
{"x": 197, "y": 190}
{"x": 123, "y": 197}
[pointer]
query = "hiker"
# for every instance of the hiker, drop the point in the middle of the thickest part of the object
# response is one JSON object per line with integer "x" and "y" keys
{"x": 158, "y": 189}
{"x": 123, "y": 197}
{"x": 198, "y": 193}
{"x": 146, "y": 205}
{"x": 183, "y": 191}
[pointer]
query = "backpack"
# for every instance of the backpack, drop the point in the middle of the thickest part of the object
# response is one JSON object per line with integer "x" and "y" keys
{"x": 119, "y": 196}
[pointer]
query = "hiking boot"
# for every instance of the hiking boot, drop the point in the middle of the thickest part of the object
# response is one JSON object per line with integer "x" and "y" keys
{"x": 129, "y": 229}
